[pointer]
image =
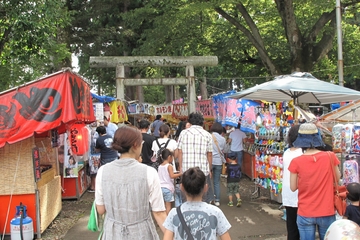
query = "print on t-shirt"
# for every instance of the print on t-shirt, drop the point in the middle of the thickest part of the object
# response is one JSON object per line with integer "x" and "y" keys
{"x": 108, "y": 142}
{"x": 201, "y": 224}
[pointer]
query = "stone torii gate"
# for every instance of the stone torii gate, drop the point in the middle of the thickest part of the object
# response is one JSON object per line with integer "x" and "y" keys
{"x": 155, "y": 61}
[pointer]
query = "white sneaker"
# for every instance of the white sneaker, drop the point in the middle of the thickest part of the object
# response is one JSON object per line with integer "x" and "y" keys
{"x": 217, "y": 204}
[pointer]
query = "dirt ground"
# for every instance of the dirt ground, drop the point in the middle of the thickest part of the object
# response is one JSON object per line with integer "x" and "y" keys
{"x": 73, "y": 210}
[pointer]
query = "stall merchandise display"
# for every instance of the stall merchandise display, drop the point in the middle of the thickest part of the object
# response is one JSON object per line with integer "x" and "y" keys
{"x": 267, "y": 147}
{"x": 346, "y": 141}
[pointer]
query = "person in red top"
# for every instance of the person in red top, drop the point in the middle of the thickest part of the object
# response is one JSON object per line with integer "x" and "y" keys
{"x": 312, "y": 175}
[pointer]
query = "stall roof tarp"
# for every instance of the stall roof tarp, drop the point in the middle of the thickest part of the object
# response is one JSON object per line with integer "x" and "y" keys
{"x": 347, "y": 113}
{"x": 48, "y": 103}
{"x": 103, "y": 99}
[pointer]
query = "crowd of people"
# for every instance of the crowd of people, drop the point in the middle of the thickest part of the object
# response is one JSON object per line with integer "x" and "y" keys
{"x": 183, "y": 172}
{"x": 152, "y": 172}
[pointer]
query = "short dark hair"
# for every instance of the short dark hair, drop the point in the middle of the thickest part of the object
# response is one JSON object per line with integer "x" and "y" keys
{"x": 105, "y": 118}
{"x": 193, "y": 181}
{"x": 354, "y": 191}
{"x": 196, "y": 118}
{"x": 217, "y": 127}
{"x": 158, "y": 117}
{"x": 292, "y": 134}
{"x": 143, "y": 124}
{"x": 101, "y": 130}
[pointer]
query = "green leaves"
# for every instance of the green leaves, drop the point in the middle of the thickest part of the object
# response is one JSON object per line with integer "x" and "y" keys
{"x": 30, "y": 39}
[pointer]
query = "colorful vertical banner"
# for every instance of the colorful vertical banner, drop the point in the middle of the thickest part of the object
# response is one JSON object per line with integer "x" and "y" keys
{"x": 221, "y": 113}
{"x": 99, "y": 111}
{"x": 248, "y": 117}
{"x": 229, "y": 111}
{"x": 165, "y": 109}
{"x": 70, "y": 163}
{"x": 180, "y": 111}
{"x": 205, "y": 107}
{"x": 118, "y": 112}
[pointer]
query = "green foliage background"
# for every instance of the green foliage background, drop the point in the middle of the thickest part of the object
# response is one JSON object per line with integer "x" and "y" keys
{"x": 38, "y": 36}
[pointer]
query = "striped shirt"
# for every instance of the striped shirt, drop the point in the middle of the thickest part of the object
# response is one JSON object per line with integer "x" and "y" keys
{"x": 195, "y": 143}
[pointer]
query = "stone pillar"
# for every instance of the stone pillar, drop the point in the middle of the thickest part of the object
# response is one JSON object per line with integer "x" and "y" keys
{"x": 120, "y": 86}
{"x": 139, "y": 91}
{"x": 191, "y": 90}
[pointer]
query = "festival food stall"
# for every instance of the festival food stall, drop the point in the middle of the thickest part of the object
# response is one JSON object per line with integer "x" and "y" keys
{"x": 32, "y": 118}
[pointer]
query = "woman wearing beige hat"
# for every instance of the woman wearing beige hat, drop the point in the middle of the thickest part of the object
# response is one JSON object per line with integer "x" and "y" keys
{"x": 312, "y": 175}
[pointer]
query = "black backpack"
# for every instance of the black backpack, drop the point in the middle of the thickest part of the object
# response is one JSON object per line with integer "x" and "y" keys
{"x": 158, "y": 161}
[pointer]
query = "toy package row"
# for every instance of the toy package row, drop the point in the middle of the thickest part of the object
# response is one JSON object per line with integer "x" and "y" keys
{"x": 351, "y": 169}
{"x": 346, "y": 138}
{"x": 269, "y": 169}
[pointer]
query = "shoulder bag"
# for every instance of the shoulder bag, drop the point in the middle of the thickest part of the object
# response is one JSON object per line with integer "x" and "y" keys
{"x": 182, "y": 220}
{"x": 223, "y": 170}
{"x": 340, "y": 192}
{"x": 218, "y": 148}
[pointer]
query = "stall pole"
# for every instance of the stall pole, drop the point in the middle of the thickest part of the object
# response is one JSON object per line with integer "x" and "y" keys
{"x": 38, "y": 225}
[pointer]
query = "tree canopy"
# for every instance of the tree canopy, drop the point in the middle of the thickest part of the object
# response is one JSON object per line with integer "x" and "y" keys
{"x": 32, "y": 41}
{"x": 254, "y": 40}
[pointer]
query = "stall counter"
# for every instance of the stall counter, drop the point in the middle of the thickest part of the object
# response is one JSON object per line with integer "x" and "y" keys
{"x": 248, "y": 165}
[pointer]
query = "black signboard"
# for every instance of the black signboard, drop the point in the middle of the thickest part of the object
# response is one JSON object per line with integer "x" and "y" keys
{"x": 36, "y": 160}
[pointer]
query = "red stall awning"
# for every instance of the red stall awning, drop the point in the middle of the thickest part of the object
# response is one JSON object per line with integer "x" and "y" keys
{"x": 52, "y": 102}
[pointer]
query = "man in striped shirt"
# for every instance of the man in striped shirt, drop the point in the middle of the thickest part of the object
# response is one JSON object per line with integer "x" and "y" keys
{"x": 195, "y": 150}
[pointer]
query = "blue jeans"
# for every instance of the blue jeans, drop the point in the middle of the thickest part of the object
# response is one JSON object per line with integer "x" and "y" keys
{"x": 307, "y": 226}
{"x": 216, "y": 178}
{"x": 178, "y": 197}
{"x": 239, "y": 157}
{"x": 209, "y": 195}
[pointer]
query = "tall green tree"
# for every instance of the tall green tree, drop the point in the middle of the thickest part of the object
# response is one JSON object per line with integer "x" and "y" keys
{"x": 252, "y": 38}
{"x": 31, "y": 40}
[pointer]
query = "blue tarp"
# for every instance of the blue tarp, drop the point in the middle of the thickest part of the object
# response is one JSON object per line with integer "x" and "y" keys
{"x": 103, "y": 99}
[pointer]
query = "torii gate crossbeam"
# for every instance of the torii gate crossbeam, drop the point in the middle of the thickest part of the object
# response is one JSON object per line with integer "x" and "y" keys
{"x": 155, "y": 61}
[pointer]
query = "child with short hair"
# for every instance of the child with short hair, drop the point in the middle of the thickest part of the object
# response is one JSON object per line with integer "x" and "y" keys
{"x": 167, "y": 176}
{"x": 200, "y": 218}
{"x": 233, "y": 171}
{"x": 352, "y": 211}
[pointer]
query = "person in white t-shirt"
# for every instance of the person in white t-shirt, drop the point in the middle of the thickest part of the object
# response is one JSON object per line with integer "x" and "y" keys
{"x": 290, "y": 198}
{"x": 236, "y": 140}
{"x": 164, "y": 132}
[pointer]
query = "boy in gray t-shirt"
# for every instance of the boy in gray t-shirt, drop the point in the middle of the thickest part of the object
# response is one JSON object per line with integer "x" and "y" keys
{"x": 202, "y": 218}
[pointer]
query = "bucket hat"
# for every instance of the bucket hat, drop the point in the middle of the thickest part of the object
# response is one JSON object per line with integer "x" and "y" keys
{"x": 308, "y": 137}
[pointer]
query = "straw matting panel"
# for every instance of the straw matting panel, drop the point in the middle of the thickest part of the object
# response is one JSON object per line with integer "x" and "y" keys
{"x": 17, "y": 172}
{"x": 46, "y": 177}
{"x": 50, "y": 202}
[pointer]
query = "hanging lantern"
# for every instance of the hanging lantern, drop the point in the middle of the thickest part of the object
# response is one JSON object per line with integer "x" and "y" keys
{"x": 79, "y": 139}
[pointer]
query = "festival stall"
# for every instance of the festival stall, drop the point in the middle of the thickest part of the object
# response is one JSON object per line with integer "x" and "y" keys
{"x": 300, "y": 87}
{"x": 33, "y": 116}
{"x": 265, "y": 124}
{"x": 345, "y": 127}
